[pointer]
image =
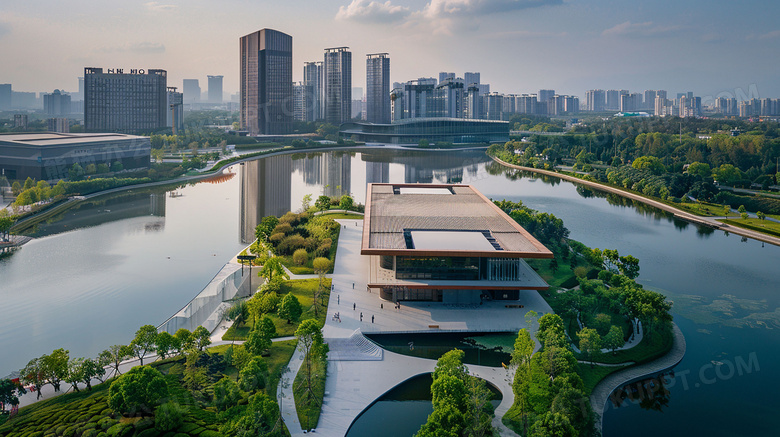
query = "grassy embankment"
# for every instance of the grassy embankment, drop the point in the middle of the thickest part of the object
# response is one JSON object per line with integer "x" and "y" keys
{"x": 764, "y": 226}
{"x": 87, "y": 414}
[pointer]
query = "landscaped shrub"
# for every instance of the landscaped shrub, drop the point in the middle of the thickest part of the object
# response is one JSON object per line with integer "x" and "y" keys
{"x": 276, "y": 238}
{"x": 289, "y": 244}
{"x": 106, "y": 423}
{"x": 119, "y": 430}
{"x": 300, "y": 257}
{"x": 284, "y": 228}
{"x": 290, "y": 218}
{"x": 168, "y": 417}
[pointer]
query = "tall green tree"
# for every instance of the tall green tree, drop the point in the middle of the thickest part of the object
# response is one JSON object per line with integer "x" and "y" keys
{"x": 321, "y": 267}
{"x": 164, "y": 343}
{"x": 55, "y": 367}
{"x": 138, "y": 391}
{"x": 521, "y": 360}
{"x": 590, "y": 343}
{"x": 553, "y": 425}
{"x": 201, "y": 337}
{"x": 254, "y": 375}
{"x": 313, "y": 348}
{"x": 9, "y": 394}
{"x": 273, "y": 268}
{"x": 91, "y": 369}
{"x": 114, "y": 356}
{"x": 290, "y": 308}
{"x": 184, "y": 340}
{"x": 226, "y": 394}
{"x": 33, "y": 374}
{"x": 614, "y": 338}
{"x": 257, "y": 342}
{"x": 144, "y": 341}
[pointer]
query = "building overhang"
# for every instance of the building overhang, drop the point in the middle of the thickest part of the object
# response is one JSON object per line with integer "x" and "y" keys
{"x": 466, "y": 210}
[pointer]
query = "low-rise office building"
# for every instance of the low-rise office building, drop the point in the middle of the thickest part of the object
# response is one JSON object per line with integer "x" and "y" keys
{"x": 49, "y": 155}
{"x": 434, "y": 130}
{"x": 445, "y": 243}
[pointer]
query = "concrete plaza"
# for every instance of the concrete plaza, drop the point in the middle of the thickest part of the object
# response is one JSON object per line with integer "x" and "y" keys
{"x": 352, "y": 385}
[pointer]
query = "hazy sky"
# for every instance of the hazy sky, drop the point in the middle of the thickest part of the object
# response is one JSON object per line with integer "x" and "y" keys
{"x": 711, "y": 47}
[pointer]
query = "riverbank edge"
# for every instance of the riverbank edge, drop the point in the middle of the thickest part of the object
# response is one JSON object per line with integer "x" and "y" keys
{"x": 600, "y": 394}
{"x": 55, "y": 208}
{"x": 678, "y": 213}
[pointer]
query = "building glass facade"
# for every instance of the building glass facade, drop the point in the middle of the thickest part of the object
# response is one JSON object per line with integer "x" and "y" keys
{"x": 312, "y": 82}
{"x": 133, "y": 102}
{"x": 266, "y": 83}
{"x": 411, "y": 131}
{"x": 337, "y": 80}
{"x": 378, "y": 88}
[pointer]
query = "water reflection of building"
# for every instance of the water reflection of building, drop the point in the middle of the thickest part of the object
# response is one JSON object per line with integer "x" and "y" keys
{"x": 266, "y": 189}
{"x": 157, "y": 204}
{"x": 331, "y": 170}
{"x": 337, "y": 174}
{"x": 377, "y": 172}
{"x": 310, "y": 167}
{"x": 108, "y": 209}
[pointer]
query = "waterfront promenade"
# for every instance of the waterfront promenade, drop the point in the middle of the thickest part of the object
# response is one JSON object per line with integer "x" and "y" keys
{"x": 600, "y": 395}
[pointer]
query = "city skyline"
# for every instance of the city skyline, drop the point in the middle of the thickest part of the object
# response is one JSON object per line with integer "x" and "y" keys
{"x": 518, "y": 46}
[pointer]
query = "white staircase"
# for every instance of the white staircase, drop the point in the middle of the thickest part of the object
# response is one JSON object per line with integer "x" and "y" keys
{"x": 356, "y": 347}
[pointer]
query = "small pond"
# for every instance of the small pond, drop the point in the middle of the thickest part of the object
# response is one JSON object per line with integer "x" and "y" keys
{"x": 480, "y": 348}
{"x": 403, "y": 410}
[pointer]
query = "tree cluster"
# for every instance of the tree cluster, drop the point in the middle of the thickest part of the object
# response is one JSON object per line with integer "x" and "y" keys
{"x": 549, "y": 394}
{"x": 461, "y": 402}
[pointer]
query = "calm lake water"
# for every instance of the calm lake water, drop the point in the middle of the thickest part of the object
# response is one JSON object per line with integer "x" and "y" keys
{"x": 102, "y": 270}
{"x": 401, "y": 411}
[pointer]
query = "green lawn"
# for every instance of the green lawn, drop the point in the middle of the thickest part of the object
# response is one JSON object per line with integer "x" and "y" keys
{"x": 304, "y": 290}
{"x": 591, "y": 375}
{"x": 704, "y": 209}
{"x": 764, "y": 226}
{"x": 281, "y": 352}
{"x": 309, "y": 411}
{"x": 341, "y": 215}
{"x": 651, "y": 347}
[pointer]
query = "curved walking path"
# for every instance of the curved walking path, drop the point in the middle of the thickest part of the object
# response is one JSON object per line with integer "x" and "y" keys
{"x": 705, "y": 221}
{"x": 354, "y": 384}
{"x": 602, "y": 391}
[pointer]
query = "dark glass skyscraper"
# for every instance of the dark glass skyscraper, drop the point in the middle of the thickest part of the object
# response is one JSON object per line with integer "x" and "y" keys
{"x": 312, "y": 82}
{"x": 266, "y": 82}
{"x": 337, "y": 78}
{"x": 378, "y": 88}
{"x": 127, "y": 101}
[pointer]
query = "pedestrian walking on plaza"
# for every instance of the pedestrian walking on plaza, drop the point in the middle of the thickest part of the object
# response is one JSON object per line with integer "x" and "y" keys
{"x": 372, "y": 318}
{"x": 338, "y": 300}
{"x": 353, "y": 285}
{"x": 381, "y": 306}
{"x": 353, "y": 307}
{"x": 361, "y": 316}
